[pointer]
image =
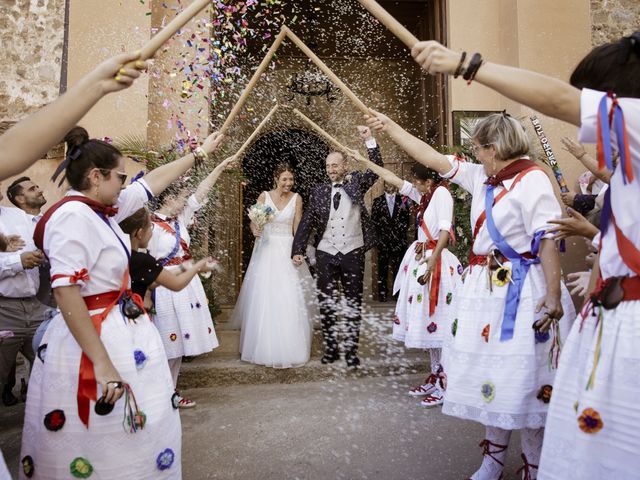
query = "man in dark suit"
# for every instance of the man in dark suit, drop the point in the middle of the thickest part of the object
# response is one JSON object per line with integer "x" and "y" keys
{"x": 337, "y": 213}
{"x": 390, "y": 214}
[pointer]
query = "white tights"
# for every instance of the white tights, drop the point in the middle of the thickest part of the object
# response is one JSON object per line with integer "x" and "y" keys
{"x": 530, "y": 441}
{"x": 174, "y": 367}
{"x": 435, "y": 354}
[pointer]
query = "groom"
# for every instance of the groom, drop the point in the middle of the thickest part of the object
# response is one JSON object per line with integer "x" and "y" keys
{"x": 337, "y": 213}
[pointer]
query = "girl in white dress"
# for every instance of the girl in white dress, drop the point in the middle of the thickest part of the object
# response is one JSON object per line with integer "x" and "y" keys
{"x": 183, "y": 318}
{"x": 498, "y": 368}
{"x": 102, "y": 346}
{"x": 276, "y": 305}
{"x": 593, "y": 429}
{"x": 428, "y": 275}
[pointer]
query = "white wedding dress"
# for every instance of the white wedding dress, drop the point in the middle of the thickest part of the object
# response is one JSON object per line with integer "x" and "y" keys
{"x": 277, "y": 301}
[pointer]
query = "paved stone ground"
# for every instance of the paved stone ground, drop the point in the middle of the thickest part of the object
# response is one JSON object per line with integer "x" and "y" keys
{"x": 339, "y": 428}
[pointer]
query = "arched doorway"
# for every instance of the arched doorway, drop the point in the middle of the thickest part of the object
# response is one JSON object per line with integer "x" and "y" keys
{"x": 304, "y": 151}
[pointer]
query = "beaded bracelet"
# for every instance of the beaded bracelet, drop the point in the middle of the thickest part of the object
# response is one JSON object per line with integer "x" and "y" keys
{"x": 459, "y": 68}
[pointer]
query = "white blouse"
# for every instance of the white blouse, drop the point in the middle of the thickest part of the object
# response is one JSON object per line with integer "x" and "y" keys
{"x": 623, "y": 197}
{"x": 162, "y": 242}
{"x": 77, "y": 238}
{"x": 519, "y": 215}
{"x": 439, "y": 213}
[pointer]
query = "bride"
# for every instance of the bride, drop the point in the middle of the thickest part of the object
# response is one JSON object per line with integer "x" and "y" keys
{"x": 276, "y": 304}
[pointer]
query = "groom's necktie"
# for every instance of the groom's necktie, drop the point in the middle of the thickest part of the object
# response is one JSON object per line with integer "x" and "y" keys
{"x": 336, "y": 197}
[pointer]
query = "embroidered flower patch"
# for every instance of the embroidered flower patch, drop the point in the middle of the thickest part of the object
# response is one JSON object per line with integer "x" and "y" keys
{"x": 460, "y": 269}
{"x": 415, "y": 272}
{"x": 81, "y": 467}
{"x": 165, "y": 459}
{"x": 396, "y": 319}
{"x": 590, "y": 421}
{"x": 501, "y": 276}
{"x": 173, "y": 337}
{"x": 54, "y": 420}
{"x": 419, "y": 298}
{"x": 406, "y": 268}
{"x": 488, "y": 391}
{"x": 454, "y": 327}
{"x": 410, "y": 299}
{"x": 140, "y": 358}
{"x": 432, "y": 327}
{"x": 451, "y": 271}
{"x": 449, "y": 298}
{"x": 209, "y": 329}
{"x": 544, "y": 394}
{"x": 187, "y": 335}
{"x": 27, "y": 466}
{"x": 485, "y": 333}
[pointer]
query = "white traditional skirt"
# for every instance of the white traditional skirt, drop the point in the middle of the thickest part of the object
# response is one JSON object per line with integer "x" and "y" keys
{"x": 502, "y": 384}
{"x": 594, "y": 433}
{"x": 55, "y": 442}
{"x": 412, "y": 323}
{"x": 184, "y": 321}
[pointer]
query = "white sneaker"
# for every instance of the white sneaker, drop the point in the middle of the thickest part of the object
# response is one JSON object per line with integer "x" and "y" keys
{"x": 179, "y": 401}
{"x": 422, "y": 390}
{"x": 434, "y": 399}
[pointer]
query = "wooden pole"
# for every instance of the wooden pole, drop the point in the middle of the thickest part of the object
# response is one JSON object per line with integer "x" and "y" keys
{"x": 318, "y": 129}
{"x": 152, "y": 46}
{"x": 394, "y": 26}
{"x": 256, "y": 76}
{"x": 256, "y": 131}
{"x": 327, "y": 71}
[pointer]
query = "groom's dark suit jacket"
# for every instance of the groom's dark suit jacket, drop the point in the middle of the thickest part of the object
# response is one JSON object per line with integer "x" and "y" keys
{"x": 316, "y": 213}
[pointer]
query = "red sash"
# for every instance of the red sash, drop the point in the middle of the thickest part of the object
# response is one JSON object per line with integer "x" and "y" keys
{"x": 437, "y": 271}
{"x": 183, "y": 244}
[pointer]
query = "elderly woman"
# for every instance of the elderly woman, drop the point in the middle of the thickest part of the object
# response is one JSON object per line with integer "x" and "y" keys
{"x": 497, "y": 365}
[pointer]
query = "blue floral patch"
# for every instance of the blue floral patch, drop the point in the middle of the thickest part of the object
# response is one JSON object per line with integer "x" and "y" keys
{"x": 165, "y": 459}
{"x": 488, "y": 391}
{"x": 140, "y": 358}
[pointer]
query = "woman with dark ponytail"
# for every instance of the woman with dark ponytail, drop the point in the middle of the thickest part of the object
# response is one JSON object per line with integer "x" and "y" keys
{"x": 593, "y": 425}
{"x": 103, "y": 345}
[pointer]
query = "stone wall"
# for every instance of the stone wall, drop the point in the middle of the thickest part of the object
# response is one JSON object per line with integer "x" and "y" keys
{"x": 612, "y": 19}
{"x": 31, "y": 35}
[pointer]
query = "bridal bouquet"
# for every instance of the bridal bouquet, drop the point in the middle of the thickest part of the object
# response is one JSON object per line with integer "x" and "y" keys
{"x": 261, "y": 214}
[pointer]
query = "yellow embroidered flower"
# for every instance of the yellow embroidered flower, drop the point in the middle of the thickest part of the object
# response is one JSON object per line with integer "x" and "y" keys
{"x": 501, "y": 276}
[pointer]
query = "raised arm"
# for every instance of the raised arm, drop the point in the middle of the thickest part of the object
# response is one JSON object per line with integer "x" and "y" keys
{"x": 547, "y": 95}
{"x": 205, "y": 186}
{"x": 578, "y": 151}
{"x": 160, "y": 178}
{"x": 416, "y": 148}
{"x": 387, "y": 175}
{"x": 30, "y": 139}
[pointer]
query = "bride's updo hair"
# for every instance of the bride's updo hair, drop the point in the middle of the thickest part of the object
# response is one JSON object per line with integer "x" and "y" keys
{"x": 280, "y": 169}
{"x": 84, "y": 154}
